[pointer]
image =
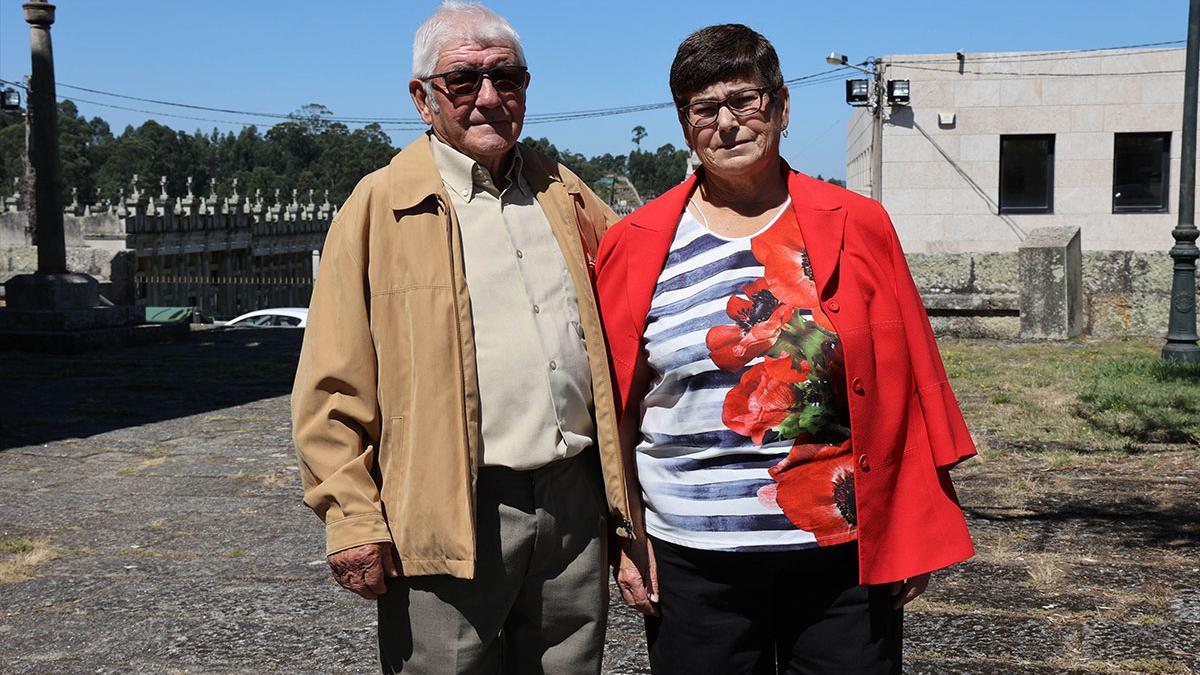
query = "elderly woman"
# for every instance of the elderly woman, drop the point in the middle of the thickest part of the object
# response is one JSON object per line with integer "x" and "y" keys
{"x": 781, "y": 394}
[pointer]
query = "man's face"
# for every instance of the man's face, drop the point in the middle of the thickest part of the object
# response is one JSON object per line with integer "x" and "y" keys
{"x": 485, "y": 125}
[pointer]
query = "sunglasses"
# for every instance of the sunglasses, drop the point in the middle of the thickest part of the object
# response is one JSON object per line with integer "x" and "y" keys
{"x": 467, "y": 81}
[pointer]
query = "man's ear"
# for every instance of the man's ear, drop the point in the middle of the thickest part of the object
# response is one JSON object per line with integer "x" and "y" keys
{"x": 420, "y": 97}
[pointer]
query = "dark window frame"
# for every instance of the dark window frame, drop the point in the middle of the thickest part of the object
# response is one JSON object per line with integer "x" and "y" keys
{"x": 1049, "y": 207}
{"x": 1165, "y": 206}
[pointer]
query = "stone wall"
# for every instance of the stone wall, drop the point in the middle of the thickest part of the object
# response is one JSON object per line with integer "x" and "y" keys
{"x": 223, "y": 254}
{"x": 976, "y": 294}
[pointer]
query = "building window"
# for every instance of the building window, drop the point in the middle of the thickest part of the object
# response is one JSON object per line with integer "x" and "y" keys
{"x": 1027, "y": 173}
{"x": 1140, "y": 165}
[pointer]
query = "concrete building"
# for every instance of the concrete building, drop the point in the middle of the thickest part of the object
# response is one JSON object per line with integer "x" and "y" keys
{"x": 993, "y": 146}
{"x": 1091, "y": 121}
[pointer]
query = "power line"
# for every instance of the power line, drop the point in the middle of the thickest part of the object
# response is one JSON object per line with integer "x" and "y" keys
{"x": 1092, "y": 53}
{"x": 406, "y": 124}
{"x": 1020, "y": 75}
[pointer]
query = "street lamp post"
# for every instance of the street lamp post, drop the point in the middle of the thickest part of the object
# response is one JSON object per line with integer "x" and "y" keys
{"x": 1181, "y": 329}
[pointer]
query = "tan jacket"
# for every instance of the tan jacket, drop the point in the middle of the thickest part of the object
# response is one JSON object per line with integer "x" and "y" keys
{"x": 385, "y": 407}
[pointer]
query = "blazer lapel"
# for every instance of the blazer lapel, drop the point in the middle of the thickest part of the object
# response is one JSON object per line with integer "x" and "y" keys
{"x": 651, "y": 231}
{"x": 822, "y": 224}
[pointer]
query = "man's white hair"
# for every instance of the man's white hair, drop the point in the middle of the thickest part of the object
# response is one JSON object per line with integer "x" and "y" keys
{"x": 461, "y": 21}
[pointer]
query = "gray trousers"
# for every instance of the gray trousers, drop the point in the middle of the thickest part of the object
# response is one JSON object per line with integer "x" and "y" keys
{"x": 539, "y": 599}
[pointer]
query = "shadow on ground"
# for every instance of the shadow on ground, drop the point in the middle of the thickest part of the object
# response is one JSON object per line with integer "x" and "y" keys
{"x": 45, "y": 398}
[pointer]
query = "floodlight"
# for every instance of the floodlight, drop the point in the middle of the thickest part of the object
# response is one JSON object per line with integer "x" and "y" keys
{"x": 858, "y": 92}
{"x": 10, "y": 99}
{"x": 898, "y": 92}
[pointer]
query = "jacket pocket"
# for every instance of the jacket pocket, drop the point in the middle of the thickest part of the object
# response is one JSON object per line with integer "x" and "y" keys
{"x": 393, "y": 455}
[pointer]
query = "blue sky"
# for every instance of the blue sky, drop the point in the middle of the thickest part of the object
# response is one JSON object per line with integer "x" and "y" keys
{"x": 355, "y": 57}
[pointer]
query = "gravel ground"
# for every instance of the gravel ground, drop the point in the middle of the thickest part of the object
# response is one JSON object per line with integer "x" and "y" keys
{"x": 152, "y": 523}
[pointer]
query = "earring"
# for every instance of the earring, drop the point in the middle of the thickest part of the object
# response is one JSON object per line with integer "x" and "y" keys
{"x": 785, "y": 133}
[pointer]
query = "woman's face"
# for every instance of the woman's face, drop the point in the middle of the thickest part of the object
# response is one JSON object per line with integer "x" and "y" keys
{"x": 738, "y": 145}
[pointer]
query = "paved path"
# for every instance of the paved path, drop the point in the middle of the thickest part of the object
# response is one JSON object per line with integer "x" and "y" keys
{"x": 150, "y": 521}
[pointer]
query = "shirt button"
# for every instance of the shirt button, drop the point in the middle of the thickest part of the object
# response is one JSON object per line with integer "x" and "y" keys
{"x": 553, "y": 365}
{"x": 864, "y": 463}
{"x": 537, "y": 310}
{"x": 833, "y": 306}
{"x": 520, "y": 254}
{"x": 857, "y": 385}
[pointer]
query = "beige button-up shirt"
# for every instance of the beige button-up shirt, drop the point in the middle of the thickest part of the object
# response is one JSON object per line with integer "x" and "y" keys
{"x": 535, "y": 393}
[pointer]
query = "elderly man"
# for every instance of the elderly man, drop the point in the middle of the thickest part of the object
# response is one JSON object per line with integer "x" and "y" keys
{"x": 452, "y": 407}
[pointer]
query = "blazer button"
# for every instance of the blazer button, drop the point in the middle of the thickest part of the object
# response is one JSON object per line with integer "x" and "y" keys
{"x": 833, "y": 306}
{"x": 857, "y": 385}
{"x": 864, "y": 463}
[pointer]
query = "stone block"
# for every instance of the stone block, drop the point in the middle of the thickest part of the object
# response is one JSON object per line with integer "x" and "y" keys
{"x": 22, "y": 260}
{"x": 1106, "y": 272}
{"x": 1050, "y": 266}
{"x": 994, "y": 327}
{"x": 979, "y": 148}
{"x": 996, "y": 273}
{"x": 1151, "y": 272}
{"x": 939, "y": 272}
{"x": 51, "y": 292}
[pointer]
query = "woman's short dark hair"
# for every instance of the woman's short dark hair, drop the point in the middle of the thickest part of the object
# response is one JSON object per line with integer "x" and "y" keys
{"x": 721, "y": 53}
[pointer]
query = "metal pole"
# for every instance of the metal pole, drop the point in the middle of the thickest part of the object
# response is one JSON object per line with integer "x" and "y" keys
{"x": 877, "y": 98}
{"x": 46, "y": 211}
{"x": 1181, "y": 330}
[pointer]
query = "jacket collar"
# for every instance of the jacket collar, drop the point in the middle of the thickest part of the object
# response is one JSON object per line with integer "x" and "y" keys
{"x": 413, "y": 176}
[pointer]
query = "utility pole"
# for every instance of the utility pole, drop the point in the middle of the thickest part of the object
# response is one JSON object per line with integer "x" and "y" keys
{"x": 878, "y": 96}
{"x": 1181, "y": 330}
{"x": 873, "y": 94}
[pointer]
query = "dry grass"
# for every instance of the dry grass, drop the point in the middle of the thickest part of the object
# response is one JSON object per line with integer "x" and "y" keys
{"x": 1047, "y": 572}
{"x": 19, "y": 557}
{"x": 141, "y": 466}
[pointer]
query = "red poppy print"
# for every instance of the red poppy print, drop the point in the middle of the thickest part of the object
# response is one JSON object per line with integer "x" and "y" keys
{"x": 758, "y": 319}
{"x": 764, "y": 397}
{"x": 815, "y": 489}
{"x": 788, "y": 273}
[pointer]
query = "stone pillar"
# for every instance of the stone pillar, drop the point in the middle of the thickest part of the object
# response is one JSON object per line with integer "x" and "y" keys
{"x": 1050, "y": 266}
{"x": 51, "y": 287}
{"x": 46, "y": 213}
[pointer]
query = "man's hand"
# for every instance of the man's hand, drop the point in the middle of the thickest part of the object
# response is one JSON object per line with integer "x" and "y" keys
{"x": 636, "y": 574}
{"x": 363, "y": 569}
{"x": 904, "y": 592}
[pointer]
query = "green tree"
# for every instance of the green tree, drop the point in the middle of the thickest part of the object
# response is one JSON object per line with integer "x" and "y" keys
{"x": 639, "y": 132}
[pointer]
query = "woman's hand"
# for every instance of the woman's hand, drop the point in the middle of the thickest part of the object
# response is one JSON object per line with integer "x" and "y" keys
{"x": 636, "y": 574}
{"x": 904, "y": 592}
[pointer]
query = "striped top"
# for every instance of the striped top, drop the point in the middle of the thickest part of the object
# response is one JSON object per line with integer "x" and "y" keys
{"x": 745, "y": 434}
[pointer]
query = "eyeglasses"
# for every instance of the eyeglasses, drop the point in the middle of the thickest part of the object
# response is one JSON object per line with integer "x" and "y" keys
{"x": 467, "y": 81}
{"x": 742, "y": 103}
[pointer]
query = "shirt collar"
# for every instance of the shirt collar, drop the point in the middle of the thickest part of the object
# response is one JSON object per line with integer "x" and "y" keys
{"x": 465, "y": 176}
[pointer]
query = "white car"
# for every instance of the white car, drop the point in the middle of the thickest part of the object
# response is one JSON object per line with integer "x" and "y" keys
{"x": 288, "y": 317}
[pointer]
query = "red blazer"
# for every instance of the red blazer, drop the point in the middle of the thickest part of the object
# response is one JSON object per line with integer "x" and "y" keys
{"x": 907, "y": 428}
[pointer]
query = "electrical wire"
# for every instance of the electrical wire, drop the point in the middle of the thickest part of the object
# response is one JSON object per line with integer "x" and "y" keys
{"x": 1014, "y": 74}
{"x": 1092, "y": 53}
{"x": 405, "y": 124}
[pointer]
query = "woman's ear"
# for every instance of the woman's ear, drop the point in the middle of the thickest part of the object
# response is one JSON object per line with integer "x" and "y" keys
{"x": 785, "y": 98}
